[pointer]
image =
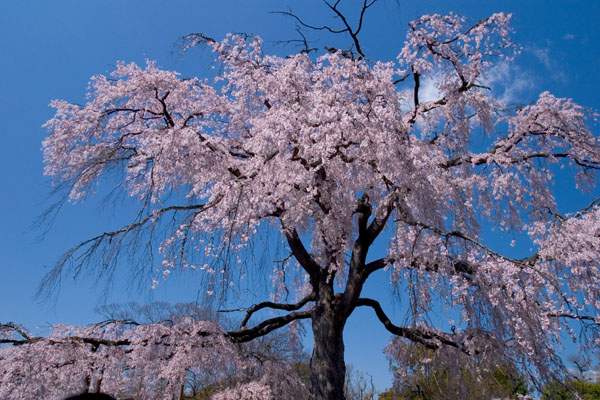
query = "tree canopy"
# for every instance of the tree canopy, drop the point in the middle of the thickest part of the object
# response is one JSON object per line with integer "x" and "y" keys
{"x": 329, "y": 150}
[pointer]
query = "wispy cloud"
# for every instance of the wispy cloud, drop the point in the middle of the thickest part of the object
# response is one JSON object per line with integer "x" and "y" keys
{"x": 509, "y": 82}
{"x": 542, "y": 54}
{"x": 429, "y": 89}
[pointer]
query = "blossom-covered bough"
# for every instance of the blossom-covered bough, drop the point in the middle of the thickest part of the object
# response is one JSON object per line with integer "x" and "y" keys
{"x": 335, "y": 151}
{"x": 117, "y": 357}
{"x": 137, "y": 361}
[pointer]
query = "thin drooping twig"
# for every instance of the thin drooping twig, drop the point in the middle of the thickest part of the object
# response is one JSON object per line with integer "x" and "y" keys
{"x": 84, "y": 251}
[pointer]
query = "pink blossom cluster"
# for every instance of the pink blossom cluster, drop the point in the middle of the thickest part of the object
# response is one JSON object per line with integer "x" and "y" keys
{"x": 295, "y": 142}
{"x": 141, "y": 361}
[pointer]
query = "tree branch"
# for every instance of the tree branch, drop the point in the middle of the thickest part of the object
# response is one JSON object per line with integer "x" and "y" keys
{"x": 483, "y": 159}
{"x": 300, "y": 253}
{"x": 417, "y": 79}
{"x": 83, "y": 252}
{"x": 353, "y": 33}
{"x": 381, "y": 217}
{"x": 347, "y": 28}
{"x": 367, "y": 234}
{"x": 303, "y": 41}
{"x": 378, "y": 264}
{"x": 426, "y": 337}
{"x": 13, "y": 327}
{"x": 305, "y": 25}
{"x": 462, "y": 267}
{"x": 267, "y": 326}
{"x": 275, "y": 306}
{"x": 528, "y": 261}
{"x": 582, "y": 318}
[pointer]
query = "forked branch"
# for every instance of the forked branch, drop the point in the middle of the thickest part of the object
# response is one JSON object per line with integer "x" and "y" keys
{"x": 274, "y": 306}
{"x": 267, "y": 326}
{"x": 346, "y": 26}
{"x": 427, "y": 337}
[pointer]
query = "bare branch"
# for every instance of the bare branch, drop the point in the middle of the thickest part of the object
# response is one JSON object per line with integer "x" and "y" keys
{"x": 353, "y": 33}
{"x": 357, "y": 274}
{"x": 347, "y": 28}
{"x": 269, "y": 304}
{"x": 427, "y": 337}
{"x": 267, "y": 326}
{"x": 417, "y": 80}
{"x": 581, "y": 318}
{"x": 300, "y": 252}
{"x": 381, "y": 217}
{"x": 194, "y": 39}
{"x": 378, "y": 264}
{"x": 304, "y": 24}
{"x": 461, "y": 267}
{"x": 84, "y": 252}
{"x": 306, "y": 49}
{"x": 11, "y": 327}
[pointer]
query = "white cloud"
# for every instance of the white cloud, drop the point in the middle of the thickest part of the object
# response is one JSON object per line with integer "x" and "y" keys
{"x": 542, "y": 54}
{"x": 429, "y": 90}
{"x": 509, "y": 82}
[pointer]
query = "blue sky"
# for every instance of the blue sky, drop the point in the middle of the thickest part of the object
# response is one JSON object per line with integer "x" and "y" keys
{"x": 49, "y": 49}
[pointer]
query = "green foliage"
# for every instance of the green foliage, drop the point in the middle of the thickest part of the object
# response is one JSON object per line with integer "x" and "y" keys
{"x": 423, "y": 374}
{"x": 440, "y": 383}
{"x": 508, "y": 380}
{"x": 389, "y": 395}
{"x": 569, "y": 390}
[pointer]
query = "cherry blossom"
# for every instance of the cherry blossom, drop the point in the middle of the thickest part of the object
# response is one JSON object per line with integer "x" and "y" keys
{"x": 331, "y": 150}
{"x": 117, "y": 357}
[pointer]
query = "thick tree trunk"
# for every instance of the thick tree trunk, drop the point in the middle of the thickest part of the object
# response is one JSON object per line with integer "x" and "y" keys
{"x": 327, "y": 366}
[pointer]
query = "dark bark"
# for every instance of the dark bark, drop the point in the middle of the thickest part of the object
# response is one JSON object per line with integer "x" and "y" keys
{"x": 327, "y": 366}
{"x": 91, "y": 396}
{"x": 328, "y": 369}
{"x": 329, "y": 315}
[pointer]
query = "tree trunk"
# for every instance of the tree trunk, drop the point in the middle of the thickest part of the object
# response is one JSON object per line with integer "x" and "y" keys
{"x": 327, "y": 366}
